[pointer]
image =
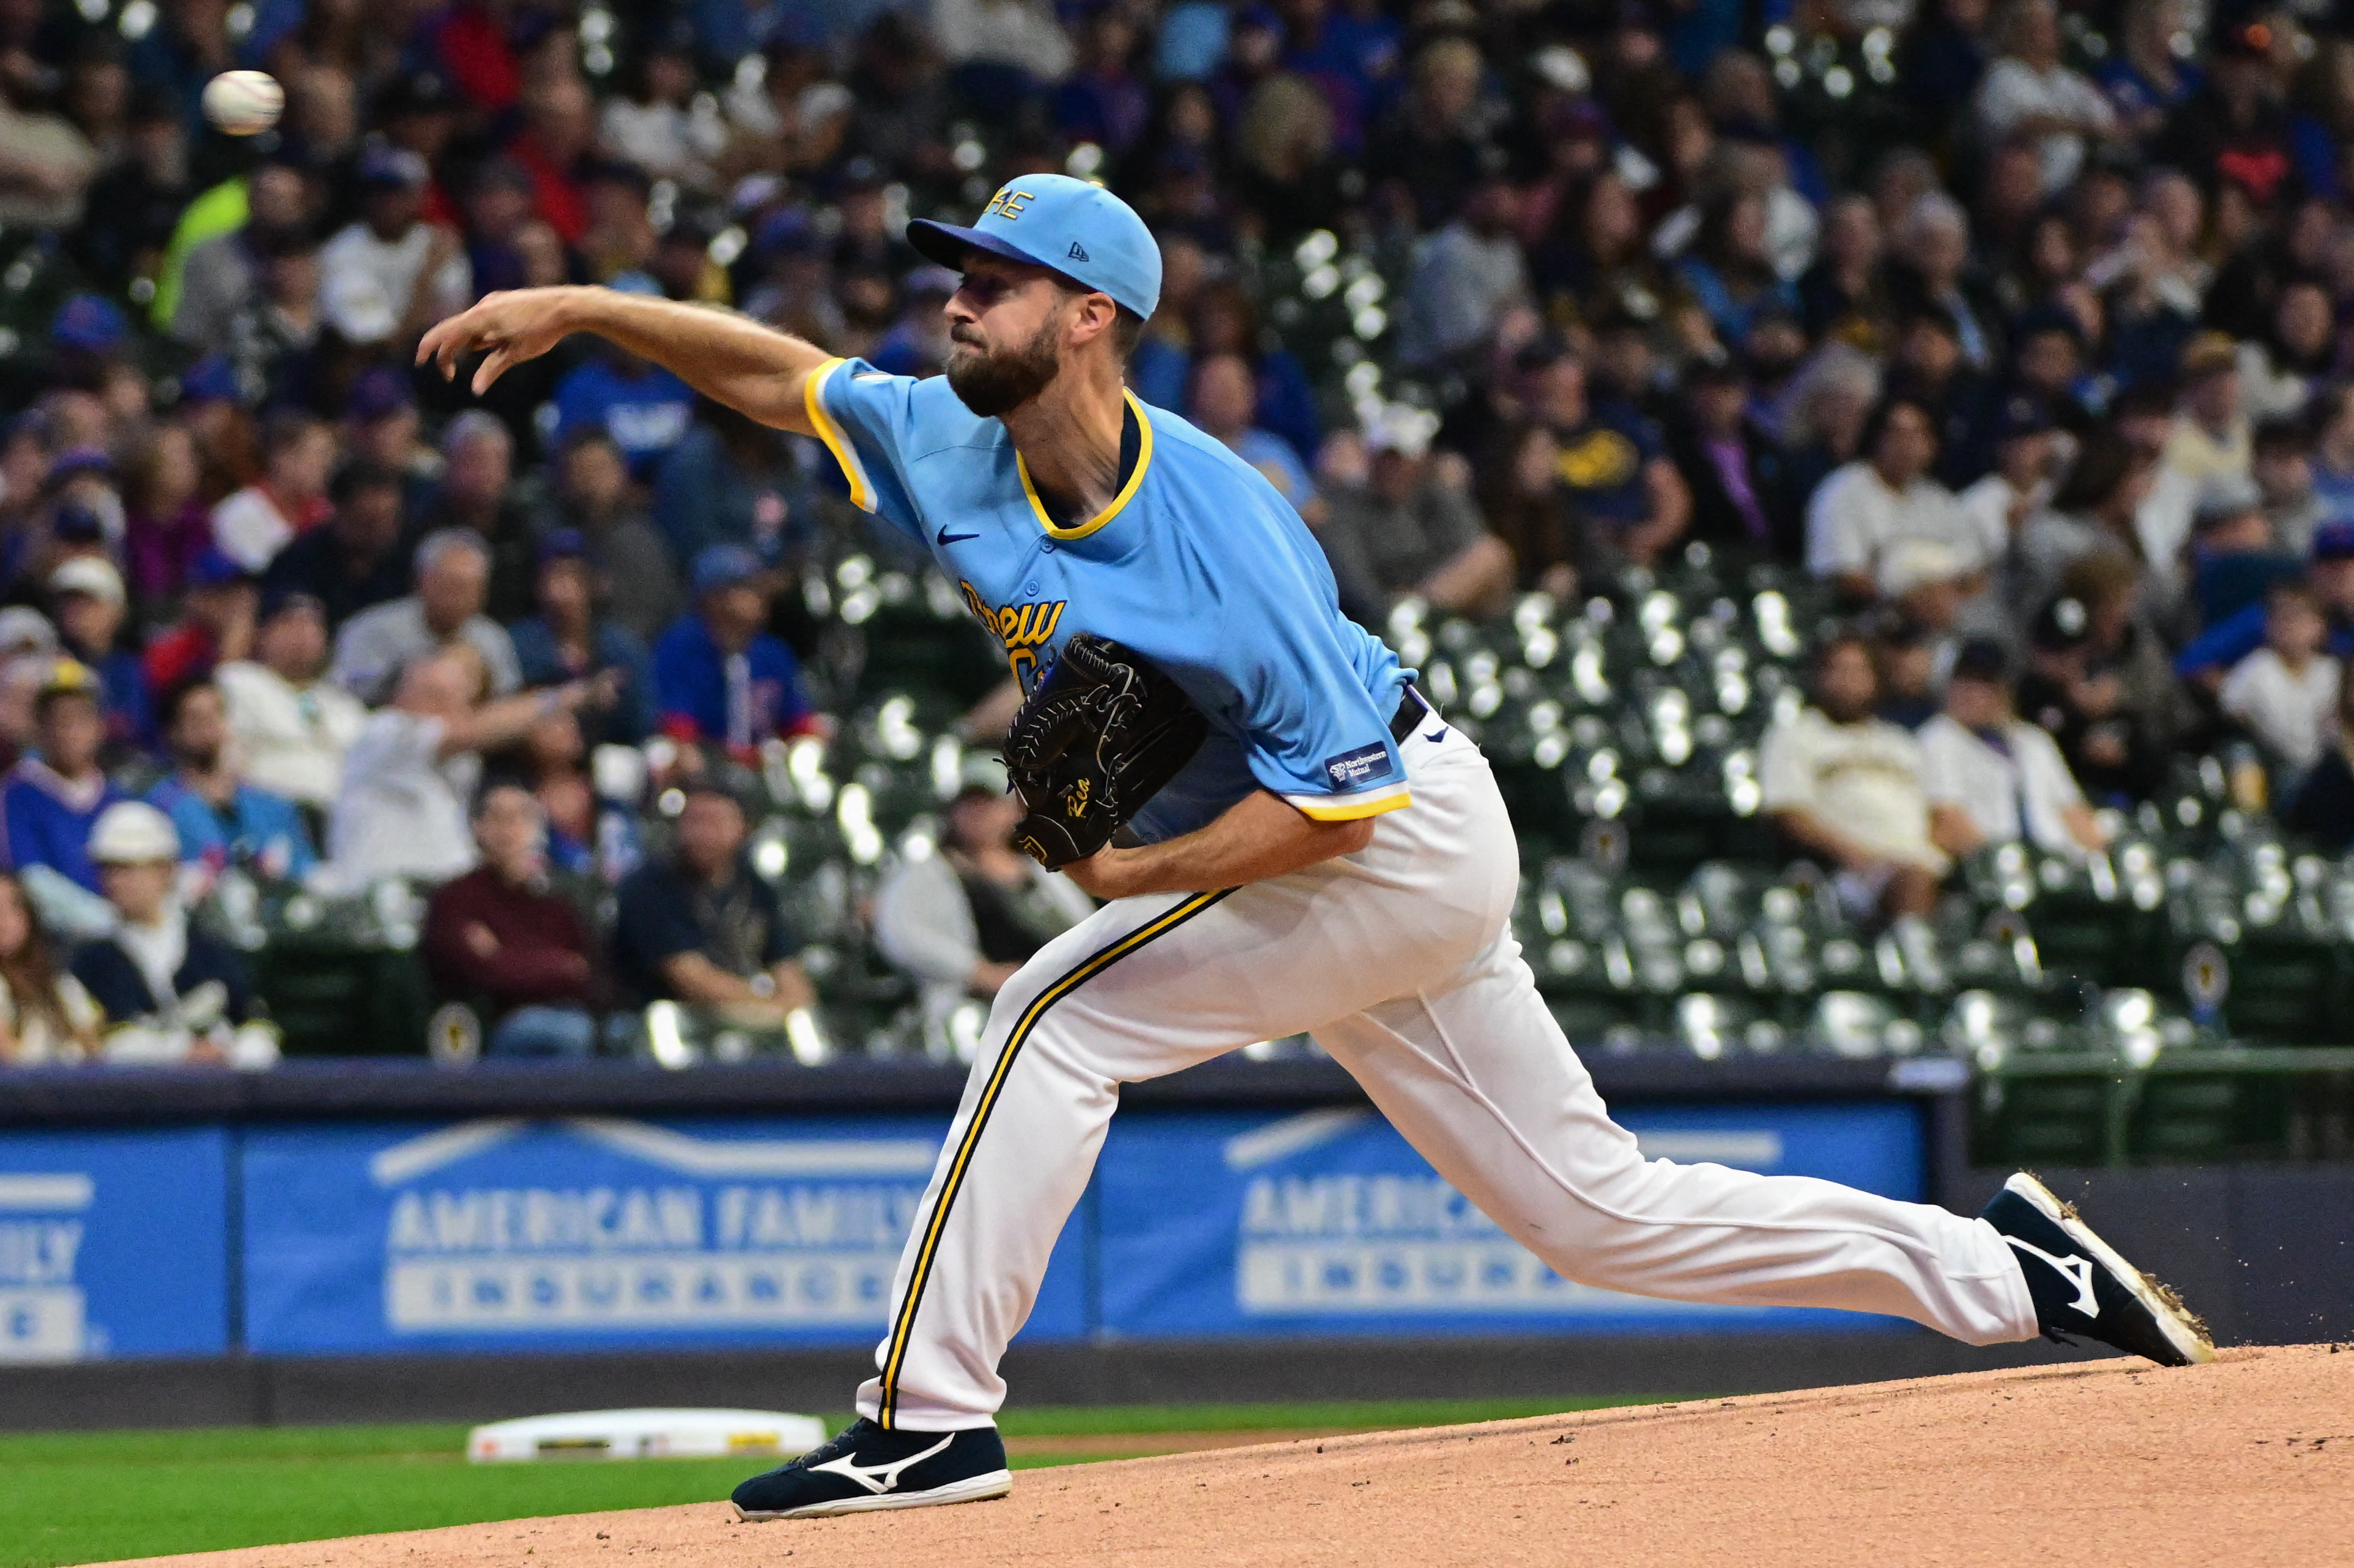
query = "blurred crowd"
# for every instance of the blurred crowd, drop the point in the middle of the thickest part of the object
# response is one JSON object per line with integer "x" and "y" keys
{"x": 2023, "y": 328}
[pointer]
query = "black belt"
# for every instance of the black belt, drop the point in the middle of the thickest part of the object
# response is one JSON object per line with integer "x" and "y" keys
{"x": 1411, "y": 706}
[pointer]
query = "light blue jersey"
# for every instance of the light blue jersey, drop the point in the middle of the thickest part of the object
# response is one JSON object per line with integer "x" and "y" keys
{"x": 1198, "y": 564}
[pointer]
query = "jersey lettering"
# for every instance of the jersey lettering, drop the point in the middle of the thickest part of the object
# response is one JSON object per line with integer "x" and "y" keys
{"x": 1210, "y": 569}
{"x": 1023, "y": 628}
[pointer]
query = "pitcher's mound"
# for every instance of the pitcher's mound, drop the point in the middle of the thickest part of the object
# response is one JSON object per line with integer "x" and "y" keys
{"x": 2247, "y": 1461}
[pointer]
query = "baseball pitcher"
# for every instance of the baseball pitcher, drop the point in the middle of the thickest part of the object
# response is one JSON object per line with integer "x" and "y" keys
{"x": 1307, "y": 847}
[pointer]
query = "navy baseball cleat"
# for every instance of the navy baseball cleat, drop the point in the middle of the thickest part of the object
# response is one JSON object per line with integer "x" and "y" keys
{"x": 2081, "y": 1287}
{"x": 867, "y": 1468}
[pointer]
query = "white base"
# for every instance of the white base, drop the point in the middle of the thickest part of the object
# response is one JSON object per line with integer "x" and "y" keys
{"x": 647, "y": 1435}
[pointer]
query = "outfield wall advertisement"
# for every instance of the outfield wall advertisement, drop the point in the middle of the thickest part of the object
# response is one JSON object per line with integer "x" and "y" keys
{"x": 590, "y": 1232}
{"x": 1329, "y": 1222}
{"x": 115, "y": 1244}
{"x": 608, "y": 1233}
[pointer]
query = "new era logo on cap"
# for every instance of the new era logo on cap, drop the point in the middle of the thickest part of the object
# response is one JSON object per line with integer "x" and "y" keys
{"x": 1076, "y": 252}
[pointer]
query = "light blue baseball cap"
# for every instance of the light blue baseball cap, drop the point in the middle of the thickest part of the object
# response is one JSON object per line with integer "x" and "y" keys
{"x": 1080, "y": 230}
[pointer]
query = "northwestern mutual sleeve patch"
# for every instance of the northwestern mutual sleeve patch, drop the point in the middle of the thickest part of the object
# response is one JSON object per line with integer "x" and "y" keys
{"x": 1355, "y": 769}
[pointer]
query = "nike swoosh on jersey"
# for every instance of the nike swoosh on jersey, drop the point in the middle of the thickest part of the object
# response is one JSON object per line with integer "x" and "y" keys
{"x": 1439, "y": 733}
{"x": 945, "y": 537}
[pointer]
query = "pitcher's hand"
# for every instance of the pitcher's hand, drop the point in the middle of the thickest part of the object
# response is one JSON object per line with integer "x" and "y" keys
{"x": 507, "y": 328}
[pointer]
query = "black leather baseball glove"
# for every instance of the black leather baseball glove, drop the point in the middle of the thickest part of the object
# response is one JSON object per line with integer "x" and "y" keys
{"x": 1098, "y": 736}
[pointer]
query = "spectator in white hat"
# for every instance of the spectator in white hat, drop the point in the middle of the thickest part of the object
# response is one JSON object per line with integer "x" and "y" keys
{"x": 170, "y": 992}
{"x": 87, "y": 598}
{"x": 25, "y": 630}
{"x": 1929, "y": 581}
{"x": 1406, "y": 530}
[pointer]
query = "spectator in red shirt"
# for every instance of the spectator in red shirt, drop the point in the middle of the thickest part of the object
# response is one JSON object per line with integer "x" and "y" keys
{"x": 560, "y": 128}
{"x": 473, "y": 43}
{"x": 217, "y": 623}
{"x": 290, "y": 498}
{"x": 499, "y": 938}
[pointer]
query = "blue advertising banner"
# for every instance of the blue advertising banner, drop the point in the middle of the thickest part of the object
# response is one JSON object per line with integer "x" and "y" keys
{"x": 592, "y": 1232}
{"x": 113, "y": 1244}
{"x": 1329, "y": 1222}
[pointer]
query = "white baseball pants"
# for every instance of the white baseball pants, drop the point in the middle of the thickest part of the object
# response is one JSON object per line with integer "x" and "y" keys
{"x": 1399, "y": 959}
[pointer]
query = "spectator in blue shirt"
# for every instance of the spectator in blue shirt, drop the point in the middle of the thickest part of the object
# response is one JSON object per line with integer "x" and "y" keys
{"x": 1729, "y": 270}
{"x": 2143, "y": 77}
{"x": 641, "y": 406}
{"x": 567, "y": 641}
{"x": 918, "y": 343}
{"x": 2208, "y": 657}
{"x": 729, "y": 481}
{"x": 1101, "y": 101}
{"x": 1223, "y": 321}
{"x": 1222, "y": 402}
{"x": 719, "y": 678}
{"x": 52, "y": 800}
{"x": 2333, "y": 450}
{"x": 175, "y": 59}
{"x": 87, "y": 602}
{"x": 222, "y": 820}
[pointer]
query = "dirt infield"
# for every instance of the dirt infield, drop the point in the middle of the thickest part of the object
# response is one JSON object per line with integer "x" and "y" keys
{"x": 2248, "y": 1460}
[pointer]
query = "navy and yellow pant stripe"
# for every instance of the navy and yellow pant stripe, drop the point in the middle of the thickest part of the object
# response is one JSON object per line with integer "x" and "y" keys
{"x": 903, "y": 1327}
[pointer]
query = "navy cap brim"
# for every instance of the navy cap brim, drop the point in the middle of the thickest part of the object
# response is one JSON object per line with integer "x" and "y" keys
{"x": 946, "y": 243}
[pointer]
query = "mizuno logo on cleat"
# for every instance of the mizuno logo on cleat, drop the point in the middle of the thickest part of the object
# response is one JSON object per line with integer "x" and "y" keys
{"x": 1076, "y": 253}
{"x": 2077, "y": 1271}
{"x": 880, "y": 1479}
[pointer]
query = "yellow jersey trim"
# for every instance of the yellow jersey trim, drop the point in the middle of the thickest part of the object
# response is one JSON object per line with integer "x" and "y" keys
{"x": 1127, "y": 491}
{"x": 862, "y": 489}
{"x": 1349, "y": 808}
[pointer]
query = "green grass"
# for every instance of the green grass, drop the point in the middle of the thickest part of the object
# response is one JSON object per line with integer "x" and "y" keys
{"x": 69, "y": 1498}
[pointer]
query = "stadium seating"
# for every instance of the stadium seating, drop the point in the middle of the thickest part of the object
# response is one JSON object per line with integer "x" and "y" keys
{"x": 2161, "y": 999}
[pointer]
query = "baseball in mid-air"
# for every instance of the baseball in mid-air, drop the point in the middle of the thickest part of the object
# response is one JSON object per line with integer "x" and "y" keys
{"x": 244, "y": 102}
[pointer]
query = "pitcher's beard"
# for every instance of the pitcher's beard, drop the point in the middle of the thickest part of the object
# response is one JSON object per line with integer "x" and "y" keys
{"x": 995, "y": 384}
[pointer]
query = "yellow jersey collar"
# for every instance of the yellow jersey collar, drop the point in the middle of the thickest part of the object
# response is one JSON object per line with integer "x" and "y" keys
{"x": 1127, "y": 491}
